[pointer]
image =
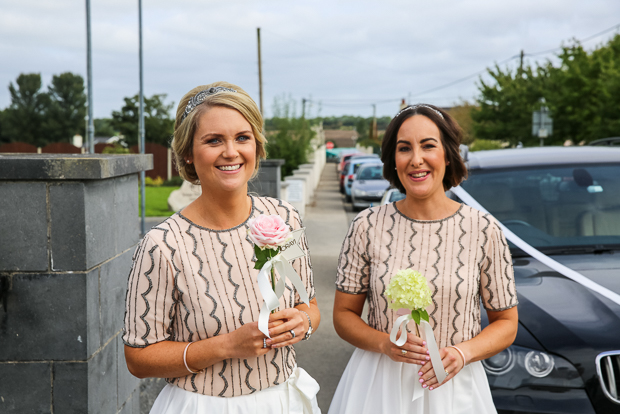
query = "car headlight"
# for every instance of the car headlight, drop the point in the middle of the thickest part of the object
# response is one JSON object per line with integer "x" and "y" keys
{"x": 360, "y": 192}
{"x": 518, "y": 366}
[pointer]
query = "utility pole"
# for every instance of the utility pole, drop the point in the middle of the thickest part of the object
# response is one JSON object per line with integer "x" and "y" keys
{"x": 374, "y": 123}
{"x": 260, "y": 73}
{"x": 521, "y": 62}
{"x": 89, "y": 76}
{"x": 141, "y": 141}
{"x": 303, "y": 107}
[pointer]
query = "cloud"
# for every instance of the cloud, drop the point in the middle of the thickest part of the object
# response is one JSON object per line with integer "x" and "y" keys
{"x": 345, "y": 54}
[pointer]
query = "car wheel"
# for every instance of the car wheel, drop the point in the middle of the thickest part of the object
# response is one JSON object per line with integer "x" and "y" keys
{"x": 347, "y": 198}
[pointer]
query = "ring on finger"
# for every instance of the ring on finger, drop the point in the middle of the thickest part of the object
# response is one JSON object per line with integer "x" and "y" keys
{"x": 403, "y": 351}
{"x": 446, "y": 371}
{"x": 264, "y": 343}
{"x": 292, "y": 333}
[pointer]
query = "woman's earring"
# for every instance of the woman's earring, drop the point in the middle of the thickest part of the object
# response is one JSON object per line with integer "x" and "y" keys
{"x": 187, "y": 161}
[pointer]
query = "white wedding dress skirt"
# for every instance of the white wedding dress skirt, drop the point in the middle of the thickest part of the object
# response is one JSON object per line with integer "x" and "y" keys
{"x": 372, "y": 383}
{"x": 295, "y": 396}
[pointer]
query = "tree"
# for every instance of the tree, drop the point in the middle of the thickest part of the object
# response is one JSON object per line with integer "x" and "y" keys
{"x": 158, "y": 124}
{"x": 103, "y": 127}
{"x": 291, "y": 138}
{"x": 462, "y": 114}
{"x": 583, "y": 93}
{"x": 3, "y": 135}
{"x": 505, "y": 108}
{"x": 25, "y": 116}
{"x": 67, "y": 107}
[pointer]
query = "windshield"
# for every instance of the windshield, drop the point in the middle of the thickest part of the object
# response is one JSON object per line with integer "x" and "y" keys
{"x": 374, "y": 172}
{"x": 557, "y": 210}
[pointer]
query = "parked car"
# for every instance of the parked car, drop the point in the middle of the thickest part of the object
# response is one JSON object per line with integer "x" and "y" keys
{"x": 348, "y": 173}
{"x": 392, "y": 195}
{"x": 565, "y": 202}
{"x": 344, "y": 157}
{"x": 611, "y": 141}
{"x": 369, "y": 186}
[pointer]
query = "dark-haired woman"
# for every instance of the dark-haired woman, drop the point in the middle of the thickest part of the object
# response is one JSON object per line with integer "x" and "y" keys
{"x": 193, "y": 300}
{"x": 463, "y": 255}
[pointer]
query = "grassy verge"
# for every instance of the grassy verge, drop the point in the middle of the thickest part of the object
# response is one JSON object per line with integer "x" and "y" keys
{"x": 157, "y": 201}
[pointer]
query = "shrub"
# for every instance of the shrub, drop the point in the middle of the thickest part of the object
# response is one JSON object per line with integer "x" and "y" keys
{"x": 157, "y": 182}
{"x": 485, "y": 144}
{"x": 116, "y": 149}
{"x": 175, "y": 181}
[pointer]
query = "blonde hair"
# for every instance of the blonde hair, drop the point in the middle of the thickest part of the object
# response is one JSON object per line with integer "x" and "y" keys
{"x": 184, "y": 129}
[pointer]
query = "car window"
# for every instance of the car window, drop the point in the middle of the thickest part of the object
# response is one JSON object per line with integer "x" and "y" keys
{"x": 374, "y": 172}
{"x": 554, "y": 208}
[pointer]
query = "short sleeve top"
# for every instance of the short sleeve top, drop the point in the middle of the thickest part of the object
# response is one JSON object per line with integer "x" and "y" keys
{"x": 464, "y": 257}
{"x": 189, "y": 283}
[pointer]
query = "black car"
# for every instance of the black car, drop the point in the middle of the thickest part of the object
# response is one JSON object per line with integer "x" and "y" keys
{"x": 565, "y": 202}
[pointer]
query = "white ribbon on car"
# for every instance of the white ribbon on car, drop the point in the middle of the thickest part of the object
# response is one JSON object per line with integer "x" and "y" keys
{"x": 431, "y": 344}
{"x": 538, "y": 255}
{"x": 280, "y": 262}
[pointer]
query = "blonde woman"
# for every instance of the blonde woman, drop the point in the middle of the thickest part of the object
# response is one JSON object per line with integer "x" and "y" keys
{"x": 465, "y": 258}
{"x": 193, "y": 299}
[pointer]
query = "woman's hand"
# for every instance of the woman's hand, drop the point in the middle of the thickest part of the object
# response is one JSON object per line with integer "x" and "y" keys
{"x": 282, "y": 323}
{"x": 452, "y": 363}
{"x": 412, "y": 352}
{"x": 247, "y": 341}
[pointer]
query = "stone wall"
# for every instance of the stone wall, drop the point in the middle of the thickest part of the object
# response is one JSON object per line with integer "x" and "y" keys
{"x": 267, "y": 181}
{"x": 69, "y": 226}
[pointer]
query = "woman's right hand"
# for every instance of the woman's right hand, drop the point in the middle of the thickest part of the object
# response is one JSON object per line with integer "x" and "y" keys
{"x": 415, "y": 350}
{"x": 247, "y": 342}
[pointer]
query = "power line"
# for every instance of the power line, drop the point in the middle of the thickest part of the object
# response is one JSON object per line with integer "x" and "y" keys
{"x": 366, "y": 102}
{"x": 545, "y": 52}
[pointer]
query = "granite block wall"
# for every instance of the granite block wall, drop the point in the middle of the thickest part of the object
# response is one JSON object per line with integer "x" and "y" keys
{"x": 69, "y": 227}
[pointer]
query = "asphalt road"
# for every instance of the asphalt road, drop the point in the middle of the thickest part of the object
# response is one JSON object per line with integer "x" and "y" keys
{"x": 325, "y": 355}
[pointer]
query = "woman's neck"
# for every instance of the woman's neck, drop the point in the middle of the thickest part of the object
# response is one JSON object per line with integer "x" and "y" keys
{"x": 436, "y": 208}
{"x": 219, "y": 211}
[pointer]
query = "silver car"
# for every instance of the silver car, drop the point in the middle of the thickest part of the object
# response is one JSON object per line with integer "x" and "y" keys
{"x": 369, "y": 186}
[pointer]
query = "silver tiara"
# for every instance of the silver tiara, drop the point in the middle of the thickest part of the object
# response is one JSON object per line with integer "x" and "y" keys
{"x": 201, "y": 96}
{"x": 416, "y": 106}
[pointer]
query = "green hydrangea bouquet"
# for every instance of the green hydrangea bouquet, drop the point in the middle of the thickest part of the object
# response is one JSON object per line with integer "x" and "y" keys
{"x": 408, "y": 289}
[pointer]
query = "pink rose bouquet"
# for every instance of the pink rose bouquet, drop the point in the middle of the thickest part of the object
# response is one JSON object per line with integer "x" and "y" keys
{"x": 269, "y": 234}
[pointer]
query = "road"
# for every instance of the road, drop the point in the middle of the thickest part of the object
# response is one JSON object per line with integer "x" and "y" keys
{"x": 325, "y": 355}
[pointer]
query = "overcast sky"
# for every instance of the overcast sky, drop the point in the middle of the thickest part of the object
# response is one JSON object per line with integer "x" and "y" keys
{"x": 342, "y": 55}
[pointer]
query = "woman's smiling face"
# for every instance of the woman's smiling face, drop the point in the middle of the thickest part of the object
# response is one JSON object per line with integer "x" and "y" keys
{"x": 224, "y": 150}
{"x": 420, "y": 158}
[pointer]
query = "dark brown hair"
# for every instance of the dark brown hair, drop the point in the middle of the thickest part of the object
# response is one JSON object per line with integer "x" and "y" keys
{"x": 451, "y": 134}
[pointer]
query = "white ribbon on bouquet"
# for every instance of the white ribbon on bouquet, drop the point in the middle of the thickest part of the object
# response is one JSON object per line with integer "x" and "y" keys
{"x": 538, "y": 255}
{"x": 428, "y": 336}
{"x": 280, "y": 262}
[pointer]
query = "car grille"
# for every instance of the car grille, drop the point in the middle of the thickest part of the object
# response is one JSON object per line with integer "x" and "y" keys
{"x": 608, "y": 370}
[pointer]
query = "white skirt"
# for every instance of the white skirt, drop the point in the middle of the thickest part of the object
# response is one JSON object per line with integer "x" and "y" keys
{"x": 295, "y": 396}
{"x": 373, "y": 383}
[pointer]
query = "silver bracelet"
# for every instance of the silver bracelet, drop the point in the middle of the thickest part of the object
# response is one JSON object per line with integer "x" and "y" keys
{"x": 307, "y": 336}
{"x": 185, "y": 359}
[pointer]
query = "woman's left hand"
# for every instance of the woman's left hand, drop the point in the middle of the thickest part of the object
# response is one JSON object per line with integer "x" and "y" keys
{"x": 282, "y": 323}
{"x": 452, "y": 362}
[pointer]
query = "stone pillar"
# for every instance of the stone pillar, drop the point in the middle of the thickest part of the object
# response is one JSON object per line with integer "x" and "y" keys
{"x": 68, "y": 229}
{"x": 267, "y": 182}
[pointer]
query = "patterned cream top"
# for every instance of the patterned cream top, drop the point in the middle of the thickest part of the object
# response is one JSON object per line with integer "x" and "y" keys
{"x": 464, "y": 257}
{"x": 189, "y": 283}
